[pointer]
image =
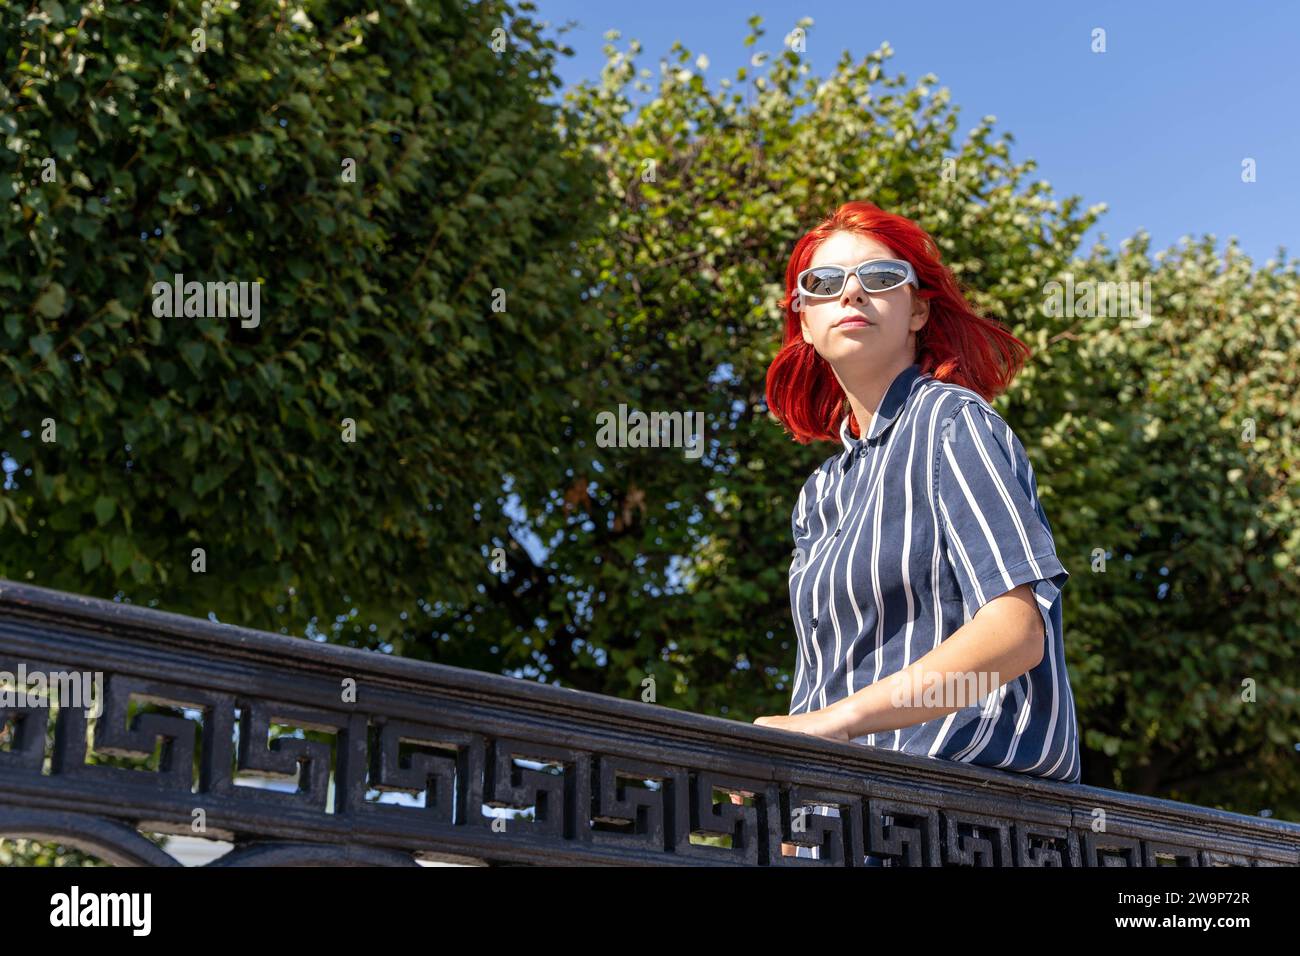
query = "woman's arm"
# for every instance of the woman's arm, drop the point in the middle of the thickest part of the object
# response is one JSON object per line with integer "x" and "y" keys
{"x": 1003, "y": 640}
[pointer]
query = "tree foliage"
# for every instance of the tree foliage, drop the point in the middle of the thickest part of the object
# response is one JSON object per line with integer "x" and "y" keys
{"x": 230, "y": 163}
{"x": 1184, "y": 640}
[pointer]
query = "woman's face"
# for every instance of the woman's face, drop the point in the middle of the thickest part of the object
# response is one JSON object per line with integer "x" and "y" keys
{"x": 834, "y": 325}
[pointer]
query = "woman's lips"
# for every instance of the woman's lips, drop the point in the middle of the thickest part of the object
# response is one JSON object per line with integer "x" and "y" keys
{"x": 852, "y": 324}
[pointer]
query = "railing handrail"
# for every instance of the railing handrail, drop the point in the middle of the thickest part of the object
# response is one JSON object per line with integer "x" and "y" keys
{"x": 230, "y": 663}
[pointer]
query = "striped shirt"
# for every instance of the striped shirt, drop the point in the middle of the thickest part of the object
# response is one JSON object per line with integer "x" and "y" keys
{"x": 899, "y": 539}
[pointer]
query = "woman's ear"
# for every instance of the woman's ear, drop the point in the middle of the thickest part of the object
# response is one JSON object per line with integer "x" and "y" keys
{"x": 920, "y": 312}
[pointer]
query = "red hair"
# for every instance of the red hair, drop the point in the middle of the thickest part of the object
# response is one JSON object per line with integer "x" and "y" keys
{"x": 956, "y": 344}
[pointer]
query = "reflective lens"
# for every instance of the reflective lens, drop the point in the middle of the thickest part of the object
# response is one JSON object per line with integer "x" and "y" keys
{"x": 882, "y": 276}
{"x": 824, "y": 280}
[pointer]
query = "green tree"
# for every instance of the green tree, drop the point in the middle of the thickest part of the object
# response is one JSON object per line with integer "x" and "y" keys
{"x": 390, "y": 175}
{"x": 1184, "y": 640}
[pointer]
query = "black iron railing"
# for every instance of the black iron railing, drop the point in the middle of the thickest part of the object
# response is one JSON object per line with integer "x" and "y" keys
{"x": 294, "y": 751}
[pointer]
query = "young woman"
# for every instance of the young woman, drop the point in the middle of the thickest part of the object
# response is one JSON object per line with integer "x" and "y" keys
{"x": 925, "y": 586}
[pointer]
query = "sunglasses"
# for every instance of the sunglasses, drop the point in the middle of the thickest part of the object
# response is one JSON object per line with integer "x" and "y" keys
{"x": 876, "y": 275}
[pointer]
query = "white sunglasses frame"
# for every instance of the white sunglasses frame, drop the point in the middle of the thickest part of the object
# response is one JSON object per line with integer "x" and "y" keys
{"x": 798, "y": 281}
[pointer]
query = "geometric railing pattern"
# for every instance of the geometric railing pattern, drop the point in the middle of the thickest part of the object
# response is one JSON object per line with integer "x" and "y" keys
{"x": 299, "y": 752}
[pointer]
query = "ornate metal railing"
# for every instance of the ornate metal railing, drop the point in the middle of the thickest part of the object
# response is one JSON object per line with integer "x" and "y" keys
{"x": 192, "y": 713}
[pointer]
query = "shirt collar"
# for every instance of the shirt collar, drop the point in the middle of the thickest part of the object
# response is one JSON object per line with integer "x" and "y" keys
{"x": 890, "y": 406}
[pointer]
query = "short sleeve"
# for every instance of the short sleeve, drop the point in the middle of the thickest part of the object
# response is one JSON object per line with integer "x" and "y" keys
{"x": 995, "y": 534}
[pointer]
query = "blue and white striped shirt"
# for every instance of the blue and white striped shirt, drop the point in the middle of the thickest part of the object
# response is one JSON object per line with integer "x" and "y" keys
{"x": 899, "y": 540}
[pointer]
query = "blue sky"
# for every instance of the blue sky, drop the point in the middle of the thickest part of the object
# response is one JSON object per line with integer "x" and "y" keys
{"x": 1156, "y": 127}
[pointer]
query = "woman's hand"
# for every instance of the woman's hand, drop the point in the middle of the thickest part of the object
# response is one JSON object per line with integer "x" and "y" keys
{"x": 818, "y": 723}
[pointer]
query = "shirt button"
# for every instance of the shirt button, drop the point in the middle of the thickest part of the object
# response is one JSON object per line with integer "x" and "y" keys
{"x": 837, "y": 533}
{"x": 814, "y": 623}
{"x": 862, "y": 452}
